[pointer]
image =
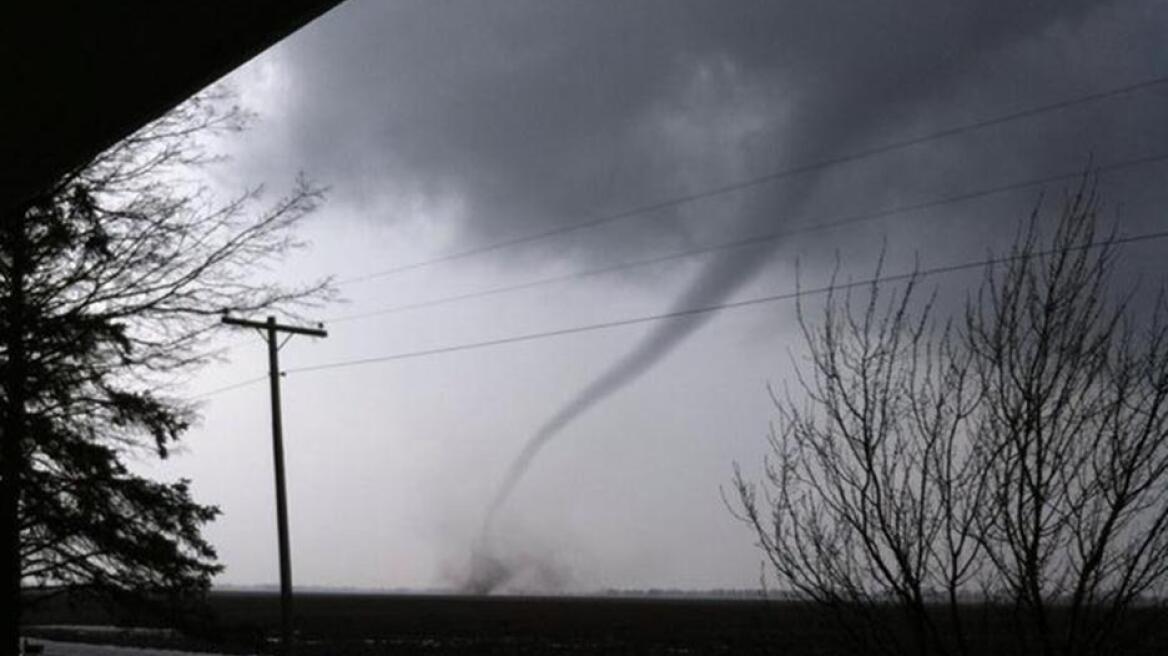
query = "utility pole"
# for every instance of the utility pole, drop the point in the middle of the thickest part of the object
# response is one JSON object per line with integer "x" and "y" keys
{"x": 270, "y": 329}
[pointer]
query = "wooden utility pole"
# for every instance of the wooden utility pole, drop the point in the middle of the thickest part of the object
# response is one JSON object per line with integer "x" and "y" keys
{"x": 271, "y": 329}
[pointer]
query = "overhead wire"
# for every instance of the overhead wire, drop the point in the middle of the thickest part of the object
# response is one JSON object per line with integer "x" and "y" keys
{"x": 721, "y": 190}
{"x": 227, "y": 388}
{"x": 761, "y": 239}
{"x": 767, "y": 178}
{"x": 918, "y": 273}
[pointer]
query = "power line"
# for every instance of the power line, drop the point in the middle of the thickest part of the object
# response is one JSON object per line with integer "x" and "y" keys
{"x": 760, "y": 239}
{"x": 709, "y": 308}
{"x": 767, "y": 178}
{"x": 228, "y": 388}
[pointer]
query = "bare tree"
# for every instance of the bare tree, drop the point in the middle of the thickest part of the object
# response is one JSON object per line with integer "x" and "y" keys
{"x": 1016, "y": 455}
{"x": 111, "y": 284}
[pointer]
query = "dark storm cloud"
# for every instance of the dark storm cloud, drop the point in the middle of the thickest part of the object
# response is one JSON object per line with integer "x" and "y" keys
{"x": 528, "y": 114}
{"x": 525, "y": 115}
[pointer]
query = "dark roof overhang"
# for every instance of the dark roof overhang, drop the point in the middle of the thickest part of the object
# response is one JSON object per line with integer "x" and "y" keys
{"x": 79, "y": 76}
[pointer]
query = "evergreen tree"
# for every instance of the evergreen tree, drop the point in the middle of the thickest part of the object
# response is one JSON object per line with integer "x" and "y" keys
{"x": 110, "y": 286}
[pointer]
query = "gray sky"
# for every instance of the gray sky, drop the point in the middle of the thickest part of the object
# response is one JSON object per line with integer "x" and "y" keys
{"x": 443, "y": 126}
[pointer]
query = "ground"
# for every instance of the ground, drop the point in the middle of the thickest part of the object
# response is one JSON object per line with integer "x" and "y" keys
{"x": 54, "y": 648}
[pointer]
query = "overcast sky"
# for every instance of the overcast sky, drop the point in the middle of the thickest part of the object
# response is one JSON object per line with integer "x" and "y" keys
{"x": 446, "y": 126}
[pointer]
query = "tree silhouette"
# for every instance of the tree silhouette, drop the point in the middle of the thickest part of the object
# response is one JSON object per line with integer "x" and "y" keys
{"x": 1016, "y": 454}
{"x": 110, "y": 285}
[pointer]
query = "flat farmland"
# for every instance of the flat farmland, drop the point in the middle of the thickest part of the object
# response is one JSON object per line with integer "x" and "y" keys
{"x": 330, "y": 623}
{"x": 525, "y": 624}
{"x": 359, "y": 624}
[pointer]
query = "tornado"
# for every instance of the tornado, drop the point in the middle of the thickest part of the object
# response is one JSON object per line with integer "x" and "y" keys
{"x": 488, "y": 569}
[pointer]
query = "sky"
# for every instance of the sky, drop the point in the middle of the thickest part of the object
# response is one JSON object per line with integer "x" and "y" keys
{"x": 455, "y": 126}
